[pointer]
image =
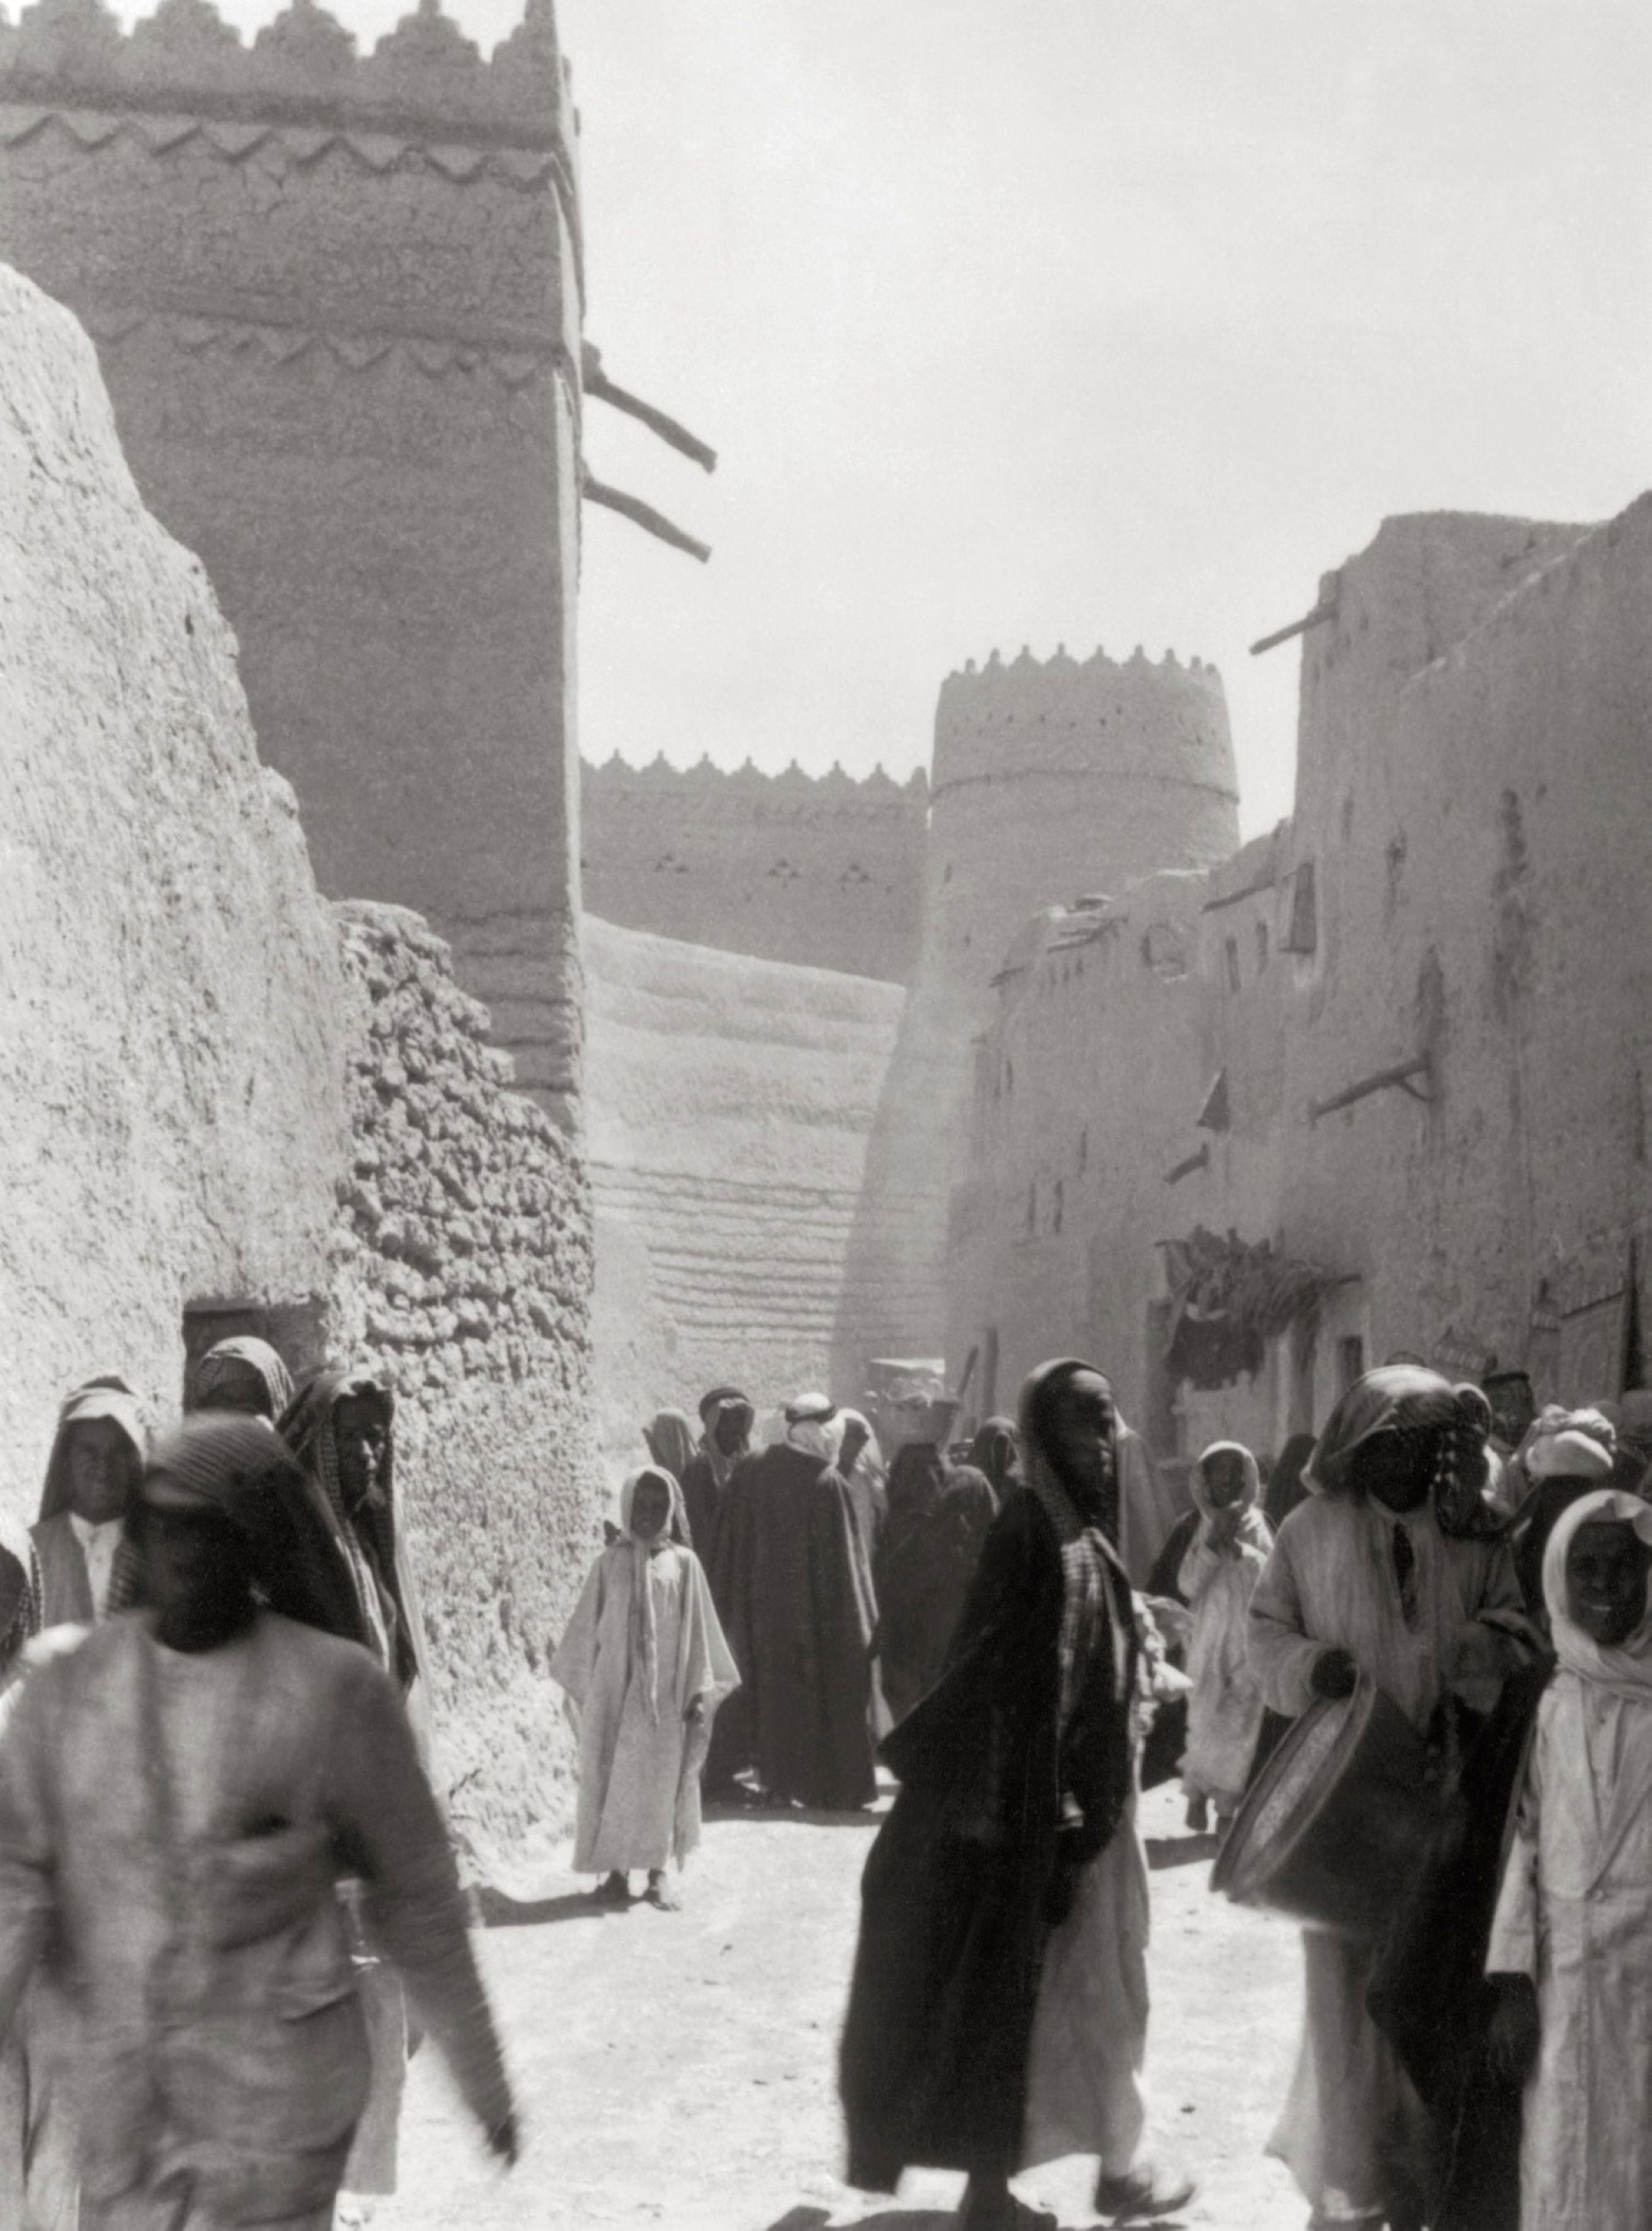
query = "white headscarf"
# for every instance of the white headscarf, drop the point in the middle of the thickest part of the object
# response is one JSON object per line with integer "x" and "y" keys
{"x": 645, "y": 1640}
{"x": 815, "y": 1425}
{"x": 1625, "y": 1670}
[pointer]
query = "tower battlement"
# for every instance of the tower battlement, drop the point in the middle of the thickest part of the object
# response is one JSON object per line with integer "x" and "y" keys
{"x": 1100, "y": 715}
{"x": 750, "y": 788}
{"x": 425, "y": 80}
{"x": 821, "y": 870}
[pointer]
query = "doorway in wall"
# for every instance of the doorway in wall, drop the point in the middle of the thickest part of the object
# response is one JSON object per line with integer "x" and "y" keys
{"x": 296, "y": 1330}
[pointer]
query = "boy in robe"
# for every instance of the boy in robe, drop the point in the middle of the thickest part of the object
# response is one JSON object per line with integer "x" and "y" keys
{"x": 998, "y": 2014}
{"x": 1218, "y": 1577}
{"x": 221, "y": 1738}
{"x": 645, "y": 1665}
{"x": 1366, "y": 1578}
{"x": 1571, "y": 1951}
{"x": 76, "y": 1543}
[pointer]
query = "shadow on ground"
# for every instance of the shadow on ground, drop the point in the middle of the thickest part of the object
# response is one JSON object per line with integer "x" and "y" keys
{"x": 1180, "y": 1851}
{"x": 497, "y": 1911}
{"x": 796, "y": 1816}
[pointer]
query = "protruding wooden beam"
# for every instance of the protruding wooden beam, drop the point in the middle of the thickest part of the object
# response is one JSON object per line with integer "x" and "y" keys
{"x": 641, "y": 514}
{"x": 1403, "y": 1075}
{"x": 595, "y": 381}
{"x": 1316, "y": 618}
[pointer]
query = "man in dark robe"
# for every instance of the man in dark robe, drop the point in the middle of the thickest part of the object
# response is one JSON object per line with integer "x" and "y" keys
{"x": 939, "y": 1517}
{"x": 997, "y": 2016}
{"x": 792, "y": 1590}
{"x": 726, "y": 1420}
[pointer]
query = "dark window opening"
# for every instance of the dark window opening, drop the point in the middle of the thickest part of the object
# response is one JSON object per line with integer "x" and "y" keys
{"x": 296, "y": 1330}
{"x": 1261, "y": 946}
{"x": 1350, "y": 1361}
{"x": 1232, "y": 954}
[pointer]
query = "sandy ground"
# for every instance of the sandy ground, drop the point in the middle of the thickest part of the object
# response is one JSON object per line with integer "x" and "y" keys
{"x": 678, "y": 2069}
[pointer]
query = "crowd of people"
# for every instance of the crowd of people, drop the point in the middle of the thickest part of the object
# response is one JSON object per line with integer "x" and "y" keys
{"x": 229, "y": 1903}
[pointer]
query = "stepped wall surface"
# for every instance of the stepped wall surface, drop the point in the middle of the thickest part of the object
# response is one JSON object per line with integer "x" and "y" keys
{"x": 730, "y": 1108}
{"x": 337, "y": 302}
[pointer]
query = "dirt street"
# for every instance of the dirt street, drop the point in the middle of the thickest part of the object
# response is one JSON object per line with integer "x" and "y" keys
{"x": 678, "y": 2069}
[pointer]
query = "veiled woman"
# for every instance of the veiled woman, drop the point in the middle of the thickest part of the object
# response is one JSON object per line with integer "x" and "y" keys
{"x": 998, "y": 2012}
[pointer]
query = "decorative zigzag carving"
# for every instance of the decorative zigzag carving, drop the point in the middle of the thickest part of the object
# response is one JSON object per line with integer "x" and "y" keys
{"x": 435, "y": 355}
{"x": 527, "y": 168}
{"x": 424, "y": 79}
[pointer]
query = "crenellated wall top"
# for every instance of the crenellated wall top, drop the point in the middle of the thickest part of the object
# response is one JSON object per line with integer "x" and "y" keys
{"x": 424, "y": 79}
{"x": 660, "y": 779}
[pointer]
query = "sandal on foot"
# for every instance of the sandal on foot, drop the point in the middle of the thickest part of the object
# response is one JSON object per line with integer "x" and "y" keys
{"x": 662, "y": 1897}
{"x": 613, "y": 1890}
{"x": 1146, "y": 2194}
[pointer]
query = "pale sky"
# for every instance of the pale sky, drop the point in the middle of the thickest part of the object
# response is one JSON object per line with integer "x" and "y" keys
{"x": 1076, "y": 321}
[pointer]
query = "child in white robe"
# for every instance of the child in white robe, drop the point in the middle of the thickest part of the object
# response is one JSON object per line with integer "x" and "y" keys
{"x": 1218, "y": 1577}
{"x": 645, "y": 1665}
{"x": 1570, "y": 1949}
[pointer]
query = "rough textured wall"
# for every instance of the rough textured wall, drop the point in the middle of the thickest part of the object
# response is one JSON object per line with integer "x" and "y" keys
{"x": 729, "y": 1103}
{"x": 1051, "y": 781}
{"x": 337, "y": 302}
{"x": 466, "y": 1272}
{"x": 827, "y": 873}
{"x": 1482, "y": 902}
{"x": 172, "y": 1010}
{"x": 1461, "y": 884}
{"x": 1128, "y": 1088}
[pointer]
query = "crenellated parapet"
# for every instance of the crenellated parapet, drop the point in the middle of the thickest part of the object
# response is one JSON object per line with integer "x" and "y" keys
{"x": 825, "y": 871}
{"x": 211, "y": 196}
{"x": 791, "y": 794}
{"x": 1097, "y": 715}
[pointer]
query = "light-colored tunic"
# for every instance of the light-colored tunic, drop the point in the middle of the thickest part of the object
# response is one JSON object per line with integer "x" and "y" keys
{"x": 1330, "y": 1580}
{"x": 1225, "y": 1705}
{"x": 1084, "y": 2072}
{"x": 1575, "y": 1914}
{"x": 222, "y": 2056}
{"x": 639, "y": 1759}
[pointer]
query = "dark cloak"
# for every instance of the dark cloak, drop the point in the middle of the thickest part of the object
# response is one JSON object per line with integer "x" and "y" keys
{"x": 1429, "y": 1991}
{"x": 938, "y": 1520}
{"x": 997, "y": 1809}
{"x": 789, "y": 1586}
{"x": 239, "y": 1467}
{"x": 307, "y": 1427}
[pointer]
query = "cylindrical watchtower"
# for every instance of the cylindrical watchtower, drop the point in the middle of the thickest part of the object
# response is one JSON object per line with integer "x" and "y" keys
{"x": 1050, "y": 782}
{"x": 1053, "y": 781}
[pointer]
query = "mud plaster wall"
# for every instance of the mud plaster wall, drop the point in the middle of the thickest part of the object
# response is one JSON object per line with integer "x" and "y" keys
{"x": 338, "y": 304}
{"x": 1473, "y": 817}
{"x": 1485, "y": 902}
{"x": 1112, "y": 1026}
{"x": 466, "y": 1272}
{"x": 827, "y": 873}
{"x": 729, "y": 1103}
{"x": 172, "y": 1009}
{"x": 1051, "y": 780}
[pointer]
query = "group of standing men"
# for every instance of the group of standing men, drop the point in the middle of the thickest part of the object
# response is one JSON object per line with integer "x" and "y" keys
{"x": 216, "y": 1825}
